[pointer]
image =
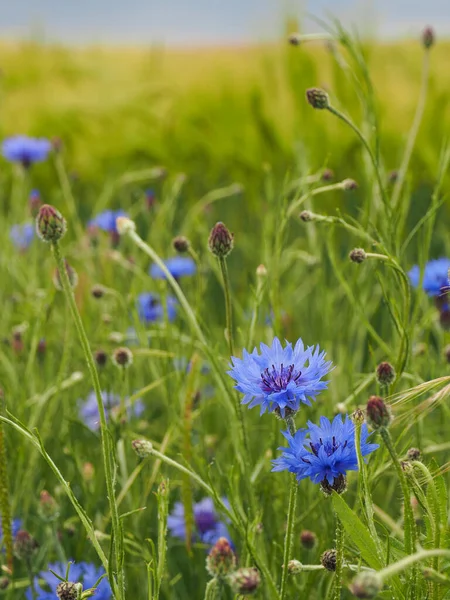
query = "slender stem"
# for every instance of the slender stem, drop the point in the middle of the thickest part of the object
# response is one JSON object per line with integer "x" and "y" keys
{"x": 339, "y": 558}
{"x": 413, "y": 132}
{"x": 365, "y": 143}
{"x": 409, "y": 523}
{"x": 290, "y": 521}
{"x": 5, "y": 506}
{"x": 408, "y": 561}
{"x": 105, "y": 440}
{"x": 228, "y": 308}
{"x": 31, "y": 577}
{"x": 212, "y": 591}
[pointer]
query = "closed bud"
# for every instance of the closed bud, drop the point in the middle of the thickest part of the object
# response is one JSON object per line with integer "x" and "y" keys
{"x": 358, "y": 255}
{"x": 25, "y": 546}
{"x": 317, "y": 98}
{"x": 339, "y": 485}
{"x": 294, "y": 39}
{"x": 98, "y": 291}
{"x": 294, "y": 567}
{"x": 221, "y": 240}
{"x": 306, "y": 216}
{"x": 366, "y": 585}
{"x": 181, "y": 244}
{"x": 122, "y": 357}
{"x": 261, "y": 271}
{"x": 71, "y": 274}
{"x": 308, "y": 539}
{"x": 327, "y": 175}
{"x": 143, "y": 448}
{"x": 50, "y": 224}
{"x": 349, "y": 184}
{"x": 66, "y": 590}
{"x": 221, "y": 561}
{"x": 378, "y": 414}
{"x": 385, "y": 373}
{"x": 358, "y": 417}
{"x": 245, "y": 581}
{"x": 414, "y": 454}
{"x": 428, "y": 37}
{"x": 48, "y": 507}
{"x": 125, "y": 225}
{"x": 101, "y": 358}
{"x": 328, "y": 560}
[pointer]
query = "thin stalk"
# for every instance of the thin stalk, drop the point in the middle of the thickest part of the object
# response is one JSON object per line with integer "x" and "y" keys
{"x": 212, "y": 591}
{"x": 409, "y": 523}
{"x": 105, "y": 439}
{"x": 408, "y": 561}
{"x": 31, "y": 578}
{"x": 5, "y": 506}
{"x": 366, "y": 499}
{"x": 339, "y": 559}
{"x": 412, "y": 132}
{"x": 288, "y": 538}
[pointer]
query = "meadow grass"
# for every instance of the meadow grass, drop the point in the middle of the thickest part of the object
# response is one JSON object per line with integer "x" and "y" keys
{"x": 226, "y": 135}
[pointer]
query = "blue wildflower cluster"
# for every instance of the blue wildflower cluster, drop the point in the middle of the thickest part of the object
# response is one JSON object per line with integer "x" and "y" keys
{"x": 151, "y": 309}
{"x": 208, "y": 526}
{"x": 85, "y": 573}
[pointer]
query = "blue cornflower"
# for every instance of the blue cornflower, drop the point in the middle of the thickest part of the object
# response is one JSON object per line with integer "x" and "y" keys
{"x": 16, "y": 525}
{"x": 150, "y": 308}
{"x": 280, "y": 378}
{"x": 435, "y": 276}
{"x": 106, "y": 220}
{"x": 111, "y": 402}
{"x": 327, "y": 454}
{"x": 85, "y": 573}
{"x": 208, "y": 527}
{"x": 26, "y": 150}
{"x": 178, "y": 266}
{"x": 22, "y": 235}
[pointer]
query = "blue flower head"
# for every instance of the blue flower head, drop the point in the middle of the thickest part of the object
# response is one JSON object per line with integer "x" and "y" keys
{"x": 208, "y": 527}
{"x": 150, "y": 308}
{"x": 89, "y": 409}
{"x": 25, "y": 150}
{"x": 178, "y": 266}
{"x": 435, "y": 276}
{"x": 278, "y": 378}
{"x": 323, "y": 453}
{"x": 85, "y": 573}
{"x": 106, "y": 220}
{"x": 22, "y": 235}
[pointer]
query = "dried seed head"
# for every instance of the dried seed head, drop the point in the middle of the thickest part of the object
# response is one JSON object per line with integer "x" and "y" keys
{"x": 317, "y": 98}
{"x": 328, "y": 560}
{"x": 122, "y": 357}
{"x": 385, "y": 373}
{"x": 181, "y": 244}
{"x": 50, "y": 224}
{"x": 308, "y": 539}
{"x": 358, "y": 255}
{"x": 221, "y": 240}
{"x": 245, "y": 581}
{"x": 143, "y": 448}
{"x": 378, "y": 414}
{"x": 221, "y": 561}
{"x": 367, "y": 584}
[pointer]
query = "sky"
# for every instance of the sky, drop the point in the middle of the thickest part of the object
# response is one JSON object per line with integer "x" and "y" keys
{"x": 204, "y": 22}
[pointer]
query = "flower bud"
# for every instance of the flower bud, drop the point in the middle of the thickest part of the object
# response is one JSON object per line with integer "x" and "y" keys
{"x": 308, "y": 539}
{"x": 101, "y": 358}
{"x": 349, "y": 184}
{"x": 48, "y": 507}
{"x": 414, "y": 454}
{"x": 385, "y": 373}
{"x": 143, "y": 448}
{"x": 367, "y": 584}
{"x": 306, "y": 216}
{"x": 294, "y": 39}
{"x": 328, "y": 560}
{"x": 71, "y": 274}
{"x": 327, "y": 175}
{"x": 358, "y": 417}
{"x": 122, "y": 357}
{"x": 97, "y": 291}
{"x": 24, "y": 545}
{"x": 66, "y": 590}
{"x": 50, "y": 224}
{"x": 125, "y": 225}
{"x": 428, "y": 37}
{"x": 261, "y": 271}
{"x": 358, "y": 255}
{"x": 317, "y": 98}
{"x": 339, "y": 485}
{"x": 294, "y": 567}
{"x": 221, "y": 561}
{"x": 378, "y": 414}
{"x": 181, "y": 244}
{"x": 221, "y": 240}
{"x": 245, "y": 581}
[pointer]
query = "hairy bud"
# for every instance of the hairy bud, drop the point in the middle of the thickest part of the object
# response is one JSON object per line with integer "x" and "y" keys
{"x": 308, "y": 539}
{"x": 378, "y": 414}
{"x": 66, "y": 590}
{"x": 317, "y": 98}
{"x": 181, "y": 244}
{"x": 220, "y": 241}
{"x": 143, "y": 448}
{"x": 358, "y": 255}
{"x": 221, "y": 561}
{"x": 294, "y": 567}
{"x": 328, "y": 560}
{"x": 245, "y": 581}
{"x": 385, "y": 373}
{"x": 50, "y": 224}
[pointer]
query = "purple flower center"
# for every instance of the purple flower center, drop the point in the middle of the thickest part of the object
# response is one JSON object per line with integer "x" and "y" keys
{"x": 277, "y": 380}
{"x": 205, "y": 521}
{"x": 329, "y": 446}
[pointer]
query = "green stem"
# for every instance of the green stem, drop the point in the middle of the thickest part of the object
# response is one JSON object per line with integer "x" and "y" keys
{"x": 31, "y": 578}
{"x": 288, "y": 538}
{"x": 339, "y": 559}
{"x": 408, "y": 561}
{"x": 213, "y": 588}
{"x": 412, "y": 133}
{"x": 409, "y": 523}
{"x": 105, "y": 439}
{"x": 5, "y": 507}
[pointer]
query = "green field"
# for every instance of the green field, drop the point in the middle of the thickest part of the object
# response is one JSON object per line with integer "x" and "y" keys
{"x": 226, "y": 135}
